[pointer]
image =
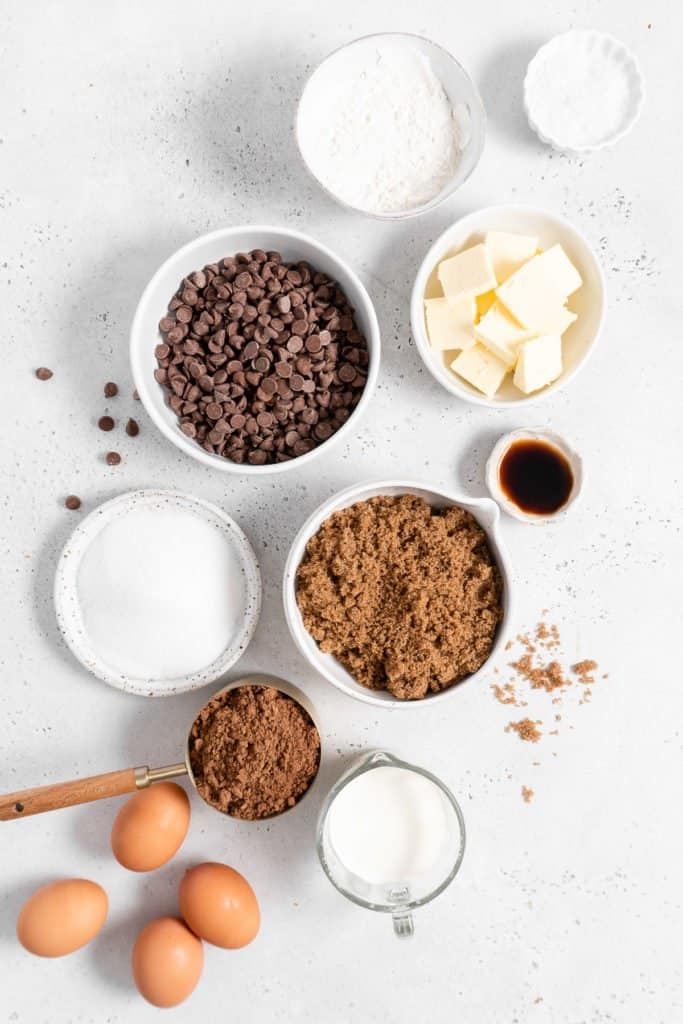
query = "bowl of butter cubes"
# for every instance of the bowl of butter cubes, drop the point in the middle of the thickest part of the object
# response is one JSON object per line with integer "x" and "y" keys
{"x": 507, "y": 305}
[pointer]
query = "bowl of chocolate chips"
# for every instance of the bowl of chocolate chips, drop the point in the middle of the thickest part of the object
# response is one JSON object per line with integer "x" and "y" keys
{"x": 253, "y": 348}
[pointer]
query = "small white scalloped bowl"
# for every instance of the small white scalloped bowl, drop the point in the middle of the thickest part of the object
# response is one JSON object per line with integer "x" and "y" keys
{"x": 153, "y": 305}
{"x": 595, "y": 52}
{"x": 588, "y": 302}
{"x": 487, "y": 514}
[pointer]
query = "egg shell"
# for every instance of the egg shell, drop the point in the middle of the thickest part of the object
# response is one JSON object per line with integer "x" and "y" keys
{"x": 167, "y": 962}
{"x": 219, "y": 905}
{"x": 61, "y": 917}
{"x": 151, "y": 826}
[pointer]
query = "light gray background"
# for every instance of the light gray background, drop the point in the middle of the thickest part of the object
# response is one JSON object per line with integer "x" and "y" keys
{"x": 126, "y": 130}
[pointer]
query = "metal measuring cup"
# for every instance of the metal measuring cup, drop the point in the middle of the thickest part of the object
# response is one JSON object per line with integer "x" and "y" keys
{"x": 128, "y": 780}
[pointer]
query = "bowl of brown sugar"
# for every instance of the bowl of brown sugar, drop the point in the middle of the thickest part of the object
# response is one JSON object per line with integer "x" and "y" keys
{"x": 397, "y": 592}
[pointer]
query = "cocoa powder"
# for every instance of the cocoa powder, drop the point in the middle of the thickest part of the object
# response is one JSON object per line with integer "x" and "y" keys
{"x": 254, "y": 751}
{"x": 407, "y": 597}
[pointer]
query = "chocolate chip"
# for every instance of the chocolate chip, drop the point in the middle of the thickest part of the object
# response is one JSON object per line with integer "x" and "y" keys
{"x": 73, "y": 502}
{"x": 254, "y": 353}
{"x": 105, "y": 423}
{"x": 136, "y": 396}
{"x": 132, "y": 428}
{"x": 113, "y": 458}
{"x": 111, "y": 389}
{"x": 43, "y": 373}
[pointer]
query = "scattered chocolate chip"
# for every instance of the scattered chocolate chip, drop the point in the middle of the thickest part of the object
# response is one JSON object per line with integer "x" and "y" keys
{"x": 136, "y": 396}
{"x": 132, "y": 428}
{"x": 105, "y": 423}
{"x": 110, "y": 389}
{"x": 43, "y": 373}
{"x": 113, "y": 458}
{"x": 73, "y": 502}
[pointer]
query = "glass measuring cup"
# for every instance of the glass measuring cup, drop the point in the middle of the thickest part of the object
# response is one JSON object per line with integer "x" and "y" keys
{"x": 400, "y": 896}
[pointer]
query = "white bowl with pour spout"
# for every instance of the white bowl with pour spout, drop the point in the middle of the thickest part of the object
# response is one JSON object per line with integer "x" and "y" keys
{"x": 487, "y": 514}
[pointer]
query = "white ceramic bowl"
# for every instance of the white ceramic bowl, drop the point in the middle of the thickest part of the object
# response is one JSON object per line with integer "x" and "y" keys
{"x": 457, "y": 84}
{"x": 68, "y": 609}
{"x": 493, "y": 476}
{"x": 588, "y": 302}
{"x": 587, "y": 65}
{"x": 210, "y": 248}
{"x": 486, "y": 513}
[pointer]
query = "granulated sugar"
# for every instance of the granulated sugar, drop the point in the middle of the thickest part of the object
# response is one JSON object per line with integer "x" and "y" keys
{"x": 377, "y": 128}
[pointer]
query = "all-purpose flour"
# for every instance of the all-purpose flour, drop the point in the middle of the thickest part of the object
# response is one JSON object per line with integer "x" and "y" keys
{"x": 161, "y": 593}
{"x": 377, "y": 128}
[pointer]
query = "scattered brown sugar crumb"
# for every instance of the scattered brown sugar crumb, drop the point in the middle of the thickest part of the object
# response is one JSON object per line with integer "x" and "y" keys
{"x": 406, "y": 596}
{"x": 526, "y": 729}
{"x": 505, "y": 694}
{"x": 527, "y": 794}
{"x": 585, "y": 670}
{"x": 548, "y": 635}
{"x": 254, "y": 751}
{"x": 547, "y": 677}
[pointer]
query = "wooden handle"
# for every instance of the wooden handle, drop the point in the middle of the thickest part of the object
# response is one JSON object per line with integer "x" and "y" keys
{"x": 66, "y": 794}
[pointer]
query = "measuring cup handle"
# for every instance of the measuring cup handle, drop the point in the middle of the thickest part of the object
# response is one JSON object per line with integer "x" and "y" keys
{"x": 66, "y": 794}
{"x": 404, "y": 926}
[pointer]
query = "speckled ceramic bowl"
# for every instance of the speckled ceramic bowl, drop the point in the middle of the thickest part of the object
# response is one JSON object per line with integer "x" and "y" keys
{"x": 67, "y": 606}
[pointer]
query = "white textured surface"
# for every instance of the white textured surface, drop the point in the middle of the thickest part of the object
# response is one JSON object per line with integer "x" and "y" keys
{"x": 129, "y": 128}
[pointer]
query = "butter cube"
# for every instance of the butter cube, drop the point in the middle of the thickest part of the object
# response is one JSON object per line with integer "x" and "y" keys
{"x": 501, "y": 334}
{"x": 484, "y": 303}
{"x": 450, "y": 323}
{"x": 481, "y": 369}
{"x": 540, "y": 287}
{"x": 468, "y": 274}
{"x": 539, "y": 363}
{"x": 558, "y": 322}
{"x": 509, "y": 251}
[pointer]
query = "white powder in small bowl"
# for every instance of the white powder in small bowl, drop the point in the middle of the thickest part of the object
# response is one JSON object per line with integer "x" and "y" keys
{"x": 162, "y": 592}
{"x": 377, "y": 128}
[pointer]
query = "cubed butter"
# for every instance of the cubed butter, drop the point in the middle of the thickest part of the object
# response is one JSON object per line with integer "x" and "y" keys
{"x": 481, "y": 369}
{"x": 557, "y": 322}
{"x": 468, "y": 274}
{"x": 509, "y": 251}
{"x": 539, "y": 363}
{"x": 484, "y": 303}
{"x": 540, "y": 287}
{"x": 501, "y": 333}
{"x": 450, "y": 323}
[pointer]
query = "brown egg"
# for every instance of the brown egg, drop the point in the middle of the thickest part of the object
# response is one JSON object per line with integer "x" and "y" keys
{"x": 62, "y": 917}
{"x": 167, "y": 962}
{"x": 219, "y": 905}
{"x": 151, "y": 826}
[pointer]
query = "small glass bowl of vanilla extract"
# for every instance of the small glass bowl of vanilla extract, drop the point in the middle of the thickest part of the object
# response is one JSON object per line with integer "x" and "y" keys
{"x": 534, "y": 475}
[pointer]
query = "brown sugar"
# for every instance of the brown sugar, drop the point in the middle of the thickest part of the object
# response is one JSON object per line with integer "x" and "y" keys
{"x": 526, "y": 729}
{"x": 407, "y": 597}
{"x": 585, "y": 670}
{"x": 527, "y": 794}
{"x": 505, "y": 694}
{"x": 254, "y": 751}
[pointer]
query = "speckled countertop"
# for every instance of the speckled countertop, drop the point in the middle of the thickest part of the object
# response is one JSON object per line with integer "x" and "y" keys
{"x": 127, "y": 129}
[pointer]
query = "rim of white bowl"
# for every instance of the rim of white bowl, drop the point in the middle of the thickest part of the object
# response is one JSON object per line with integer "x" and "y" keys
{"x": 145, "y": 383}
{"x": 361, "y": 492}
{"x": 419, "y": 332}
{"x": 447, "y": 191}
{"x": 556, "y": 140}
{"x": 67, "y": 607}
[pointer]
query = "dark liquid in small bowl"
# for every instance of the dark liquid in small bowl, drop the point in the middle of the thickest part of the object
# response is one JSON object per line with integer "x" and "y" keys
{"x": 536, "y": 477}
